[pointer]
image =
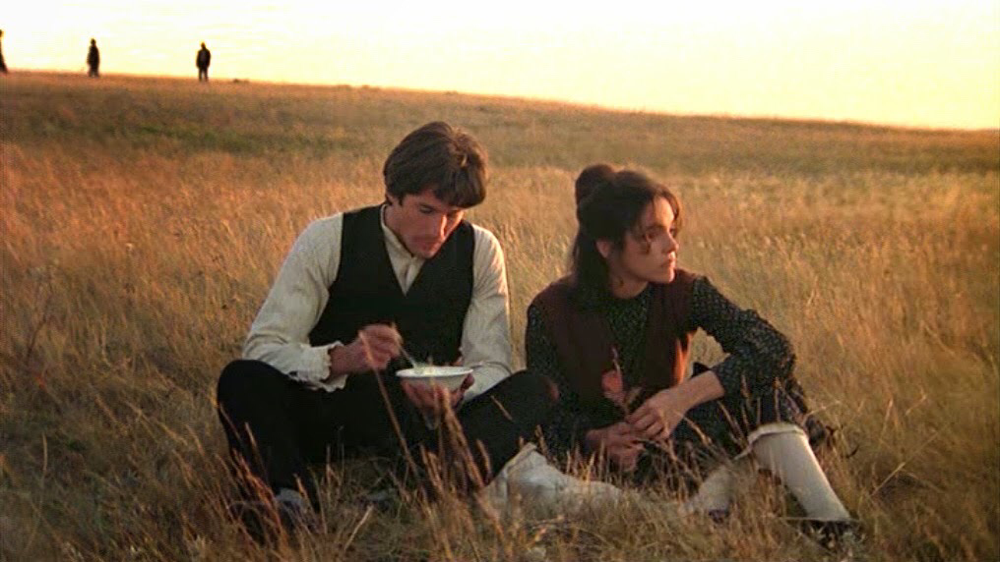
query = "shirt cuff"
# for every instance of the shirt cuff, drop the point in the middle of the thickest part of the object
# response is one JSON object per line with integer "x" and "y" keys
{"x": 315, "y": 370}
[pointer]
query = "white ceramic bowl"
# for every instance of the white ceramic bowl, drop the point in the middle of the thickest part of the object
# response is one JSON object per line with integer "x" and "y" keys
{"x": 446, "y": 376}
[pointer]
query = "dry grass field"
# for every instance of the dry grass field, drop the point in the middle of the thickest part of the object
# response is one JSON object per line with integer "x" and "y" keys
{"x": 143, "y": 220}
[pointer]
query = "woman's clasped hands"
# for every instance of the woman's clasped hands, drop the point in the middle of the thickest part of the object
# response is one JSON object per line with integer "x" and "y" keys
{"x": 651, "y": 423}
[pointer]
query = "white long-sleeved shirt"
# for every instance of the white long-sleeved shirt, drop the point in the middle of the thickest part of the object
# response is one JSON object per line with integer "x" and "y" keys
{"x": 279, "y": 335}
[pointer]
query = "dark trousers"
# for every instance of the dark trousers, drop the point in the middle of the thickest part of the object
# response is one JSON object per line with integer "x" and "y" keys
{"x": 277, "y": 426}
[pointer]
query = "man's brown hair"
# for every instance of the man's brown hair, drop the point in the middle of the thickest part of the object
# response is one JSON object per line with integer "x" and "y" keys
{"x": 443, "y": 158}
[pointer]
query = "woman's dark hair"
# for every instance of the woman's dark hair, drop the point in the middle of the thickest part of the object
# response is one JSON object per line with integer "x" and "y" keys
{"x": 441, "y": 157}
{"x": 609, "y": 204}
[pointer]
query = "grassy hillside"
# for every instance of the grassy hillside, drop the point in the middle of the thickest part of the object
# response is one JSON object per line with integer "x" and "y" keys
{"x": 143, "y": 220}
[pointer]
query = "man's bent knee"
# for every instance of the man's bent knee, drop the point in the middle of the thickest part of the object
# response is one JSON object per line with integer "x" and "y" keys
{"x": 247, "y": 375}
{"x": 536, "y": 384}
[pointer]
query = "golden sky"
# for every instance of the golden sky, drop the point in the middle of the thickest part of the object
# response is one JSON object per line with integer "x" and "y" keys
{"x": 917, "y": 63}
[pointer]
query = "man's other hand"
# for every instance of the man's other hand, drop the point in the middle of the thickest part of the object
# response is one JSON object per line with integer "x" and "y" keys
{"x": 433, "y": 399}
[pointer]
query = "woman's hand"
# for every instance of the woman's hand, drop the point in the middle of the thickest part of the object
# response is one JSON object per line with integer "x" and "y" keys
{"x": 619, "y": 442}
{"x": 657, "y": 417}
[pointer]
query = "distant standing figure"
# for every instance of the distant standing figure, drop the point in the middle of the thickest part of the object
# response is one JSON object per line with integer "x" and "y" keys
{"x": 93, "y": 60}
{"x": 202, "y": 61}
{"x": 3, "y": 65}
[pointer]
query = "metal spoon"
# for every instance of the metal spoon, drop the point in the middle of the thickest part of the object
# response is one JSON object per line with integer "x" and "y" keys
{"x": 408, "y": 357}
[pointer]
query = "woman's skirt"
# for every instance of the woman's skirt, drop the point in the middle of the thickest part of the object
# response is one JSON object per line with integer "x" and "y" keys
{"x": 717, "y": 431}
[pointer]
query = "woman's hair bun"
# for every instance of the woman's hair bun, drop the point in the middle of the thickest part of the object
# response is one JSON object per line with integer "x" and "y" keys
{"x": 590, "y": 179}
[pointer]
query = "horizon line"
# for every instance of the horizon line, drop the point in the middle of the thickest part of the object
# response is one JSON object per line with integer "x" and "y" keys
{"x": 540, "y": 100}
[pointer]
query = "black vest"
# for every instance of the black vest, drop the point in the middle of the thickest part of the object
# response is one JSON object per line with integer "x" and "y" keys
{"x": 429, "y": 316}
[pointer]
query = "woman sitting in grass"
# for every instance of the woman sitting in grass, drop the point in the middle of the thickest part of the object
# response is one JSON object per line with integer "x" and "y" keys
{"x": 615, "y": 336}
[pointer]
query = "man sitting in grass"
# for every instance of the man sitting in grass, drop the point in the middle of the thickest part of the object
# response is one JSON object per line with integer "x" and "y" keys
{"x": 316, "y": 381}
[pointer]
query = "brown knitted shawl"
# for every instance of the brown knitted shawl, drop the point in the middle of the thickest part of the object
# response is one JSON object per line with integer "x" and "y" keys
{"x": 584, "y": 342}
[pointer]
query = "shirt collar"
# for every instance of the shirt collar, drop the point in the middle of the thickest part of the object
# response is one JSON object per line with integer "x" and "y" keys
{"x": 393, "y": 243}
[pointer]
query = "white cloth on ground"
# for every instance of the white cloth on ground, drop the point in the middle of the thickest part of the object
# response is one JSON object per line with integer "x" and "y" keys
{"x": 529, "y": 478}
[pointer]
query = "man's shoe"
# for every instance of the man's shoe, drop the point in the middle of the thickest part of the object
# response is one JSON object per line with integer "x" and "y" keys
{"x": 383, "y": 499}
{"x": 266, "y": 521}
{"x": 295, "y": 513}
{"x": 835, "y": 536}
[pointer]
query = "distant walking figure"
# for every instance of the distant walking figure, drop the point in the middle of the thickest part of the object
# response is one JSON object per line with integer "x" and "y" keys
{"x": 93, "y": 60}
{"x": 202, "y": 61}
{"x": 3, "y": 65}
